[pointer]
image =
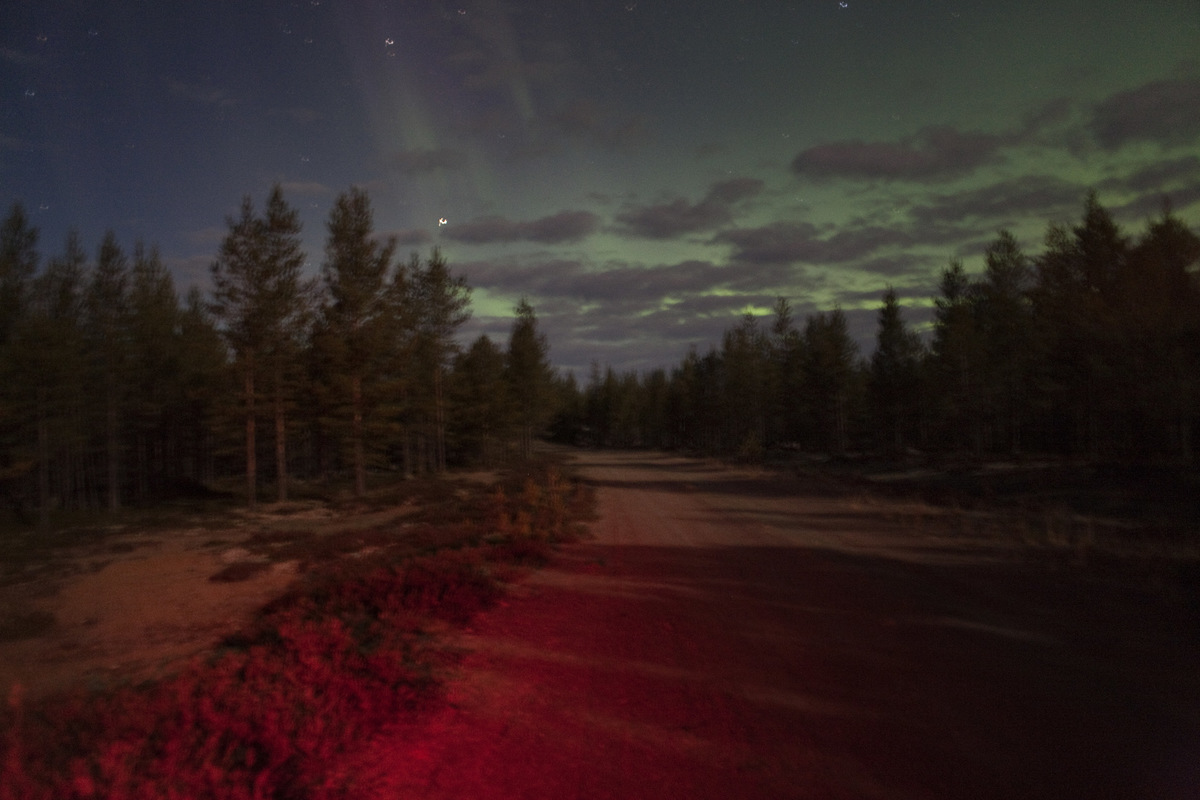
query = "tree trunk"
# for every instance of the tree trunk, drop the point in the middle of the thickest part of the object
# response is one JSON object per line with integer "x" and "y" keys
{"x": 113, "y": 443}
{"x": 439, "y": 422}
{"x": 280, "y": 439}
{"x": 43, "y": 451}
{"x": 356, "y": 432}
{"x": 251, "y": 446}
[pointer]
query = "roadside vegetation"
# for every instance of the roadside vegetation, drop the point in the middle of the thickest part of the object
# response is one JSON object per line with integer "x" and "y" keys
{"x": 349, "y": 649}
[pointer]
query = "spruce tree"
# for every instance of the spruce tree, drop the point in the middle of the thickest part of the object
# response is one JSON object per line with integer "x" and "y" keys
{"x": 530, "y": 377}
{"x": 358, "y": 318}
{"x": 258, "y": 299}
{"x": 894, "y": 377}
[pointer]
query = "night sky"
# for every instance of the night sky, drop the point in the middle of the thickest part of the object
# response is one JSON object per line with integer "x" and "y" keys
{"x": 644, "y": 171}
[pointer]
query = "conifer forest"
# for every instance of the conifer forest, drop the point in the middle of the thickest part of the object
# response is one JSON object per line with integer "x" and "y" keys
{"x": 116, "y": 391}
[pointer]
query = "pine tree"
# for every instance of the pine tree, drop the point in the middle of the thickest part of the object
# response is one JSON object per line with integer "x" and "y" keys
{"x": 1075, "y": 294}
{"x": 441, "y": 305}
{"x": 954, "y": 361}
{"x": 1005, "y": 326}
{"x": 258, "y": 298}
{"x": 108, "y": 311}
{"x": 154, "y": 343}
{"x": 48, "y": 354}
{"x": 894, "y": 376}
{"x": 829, "y": 365}
{"x": 479, "y": 402}
{"x": 358, "y": 317}
{"x": 530, "y": 377}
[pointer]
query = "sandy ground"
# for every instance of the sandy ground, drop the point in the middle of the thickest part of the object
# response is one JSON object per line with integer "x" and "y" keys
{"x": 729, "y": 634}
{"x": 140, "y": 615}
{"x": 139, "y": 606}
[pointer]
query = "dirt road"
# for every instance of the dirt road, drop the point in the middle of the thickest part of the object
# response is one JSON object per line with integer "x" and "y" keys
{"x": 727, "y": 634}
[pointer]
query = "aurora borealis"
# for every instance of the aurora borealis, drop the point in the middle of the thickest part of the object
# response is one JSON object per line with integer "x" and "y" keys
{"x": 643, "y": 171}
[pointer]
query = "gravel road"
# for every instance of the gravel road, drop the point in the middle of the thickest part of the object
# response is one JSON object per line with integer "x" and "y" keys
{"x": 729, "y": 633}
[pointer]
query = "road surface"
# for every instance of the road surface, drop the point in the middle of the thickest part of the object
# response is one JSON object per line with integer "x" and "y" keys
{"x": 728, "y": 634}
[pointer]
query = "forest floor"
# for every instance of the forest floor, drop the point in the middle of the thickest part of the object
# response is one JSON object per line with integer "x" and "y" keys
{"x": 94, "y": 606}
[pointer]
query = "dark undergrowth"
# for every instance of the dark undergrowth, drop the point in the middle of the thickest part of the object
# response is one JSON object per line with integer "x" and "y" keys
{"x": 1132, "y": 523}
{"x": 345, "y": 652}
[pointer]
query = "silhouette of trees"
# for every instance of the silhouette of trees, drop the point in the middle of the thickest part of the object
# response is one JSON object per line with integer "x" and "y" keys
{"x": 113, "y": 392}
{"x": 529, "y": 376}
{"x": 259, "y": 301}
{"x": 895, "y": 378}
{"x": 1091, "y": 348}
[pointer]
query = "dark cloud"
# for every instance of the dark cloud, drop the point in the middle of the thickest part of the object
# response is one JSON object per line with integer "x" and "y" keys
{"x": 792, "y": 242}
{"x": 1150, "y": 205}
{"x": 1002, "y": 203}
{"x": 894, "y": 266}
{"x": 621, "y": 284}
{"x": 568, "y": 226}
{"x": 935, "y": 153}
{"x": 734, "y": 190}
{"x": 1156, "y": 177}
{"x": 418, "y": 162}
{"x": 1163, "y": 111}
{"x": 668, "y": 220}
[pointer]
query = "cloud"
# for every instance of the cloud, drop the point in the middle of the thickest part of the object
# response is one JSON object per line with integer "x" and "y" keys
{"x": 568, "y": 226}
{"x": 894, "y": 266}
{"x": 1156, "y": 177}
{"x": 1150, "y": 204}
{"x": 668, "y": 220}
{"x": 419, "y": 162}
{"x": 631, "y": 287}
{"x": 677, "y": 217}
{"x": 1165, "y": 111}
{"x": 792, "y": 242}
{"x": 935, "y": 153}
{"x": 734, "y": 190}
{"x": 1001, "y": 203}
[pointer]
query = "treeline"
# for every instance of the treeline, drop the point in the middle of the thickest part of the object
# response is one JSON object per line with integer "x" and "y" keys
{"x": 113, "y": 391}
{"x": 1090, "y": 349}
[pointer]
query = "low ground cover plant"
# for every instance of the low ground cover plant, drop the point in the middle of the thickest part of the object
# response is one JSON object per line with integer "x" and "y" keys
{"x": 323, "y": 667}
